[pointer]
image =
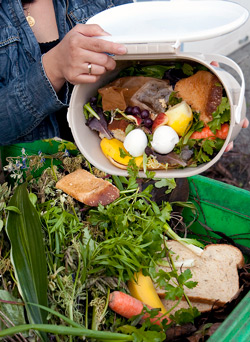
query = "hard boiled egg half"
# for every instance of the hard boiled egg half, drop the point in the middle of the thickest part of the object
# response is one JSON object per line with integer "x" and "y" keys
{"x": 164, "y": 139}
{"x": 135, "y": 142}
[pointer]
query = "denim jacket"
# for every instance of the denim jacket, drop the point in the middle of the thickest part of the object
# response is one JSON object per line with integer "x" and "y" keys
{"x": 27, "y": 99}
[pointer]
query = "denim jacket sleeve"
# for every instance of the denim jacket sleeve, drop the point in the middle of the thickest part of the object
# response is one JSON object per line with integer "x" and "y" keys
{"x": 26, "y": 95}
{"x": 25, "y": 102}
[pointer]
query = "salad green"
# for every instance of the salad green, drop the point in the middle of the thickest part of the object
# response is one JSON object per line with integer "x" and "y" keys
{"x": 190, "y": 150}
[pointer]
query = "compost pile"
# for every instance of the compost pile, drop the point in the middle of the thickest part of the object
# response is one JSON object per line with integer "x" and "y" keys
{"x": 65, "y": 272}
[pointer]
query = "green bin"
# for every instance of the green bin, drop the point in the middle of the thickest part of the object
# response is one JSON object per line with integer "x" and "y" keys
{"x": 222, "y": 207}
{"x": 226, "y": 209}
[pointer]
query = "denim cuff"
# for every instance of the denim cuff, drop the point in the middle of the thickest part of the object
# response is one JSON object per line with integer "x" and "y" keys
{"x": 38, "y": 94}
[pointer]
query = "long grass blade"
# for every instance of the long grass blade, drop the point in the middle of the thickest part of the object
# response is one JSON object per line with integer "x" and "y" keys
{"x": 62, "y": 330}
{"x": 27, "y": 254}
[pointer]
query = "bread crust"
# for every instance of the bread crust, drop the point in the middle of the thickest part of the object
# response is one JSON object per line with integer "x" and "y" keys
{"x": 202, "y": 91}
{"x": 88, "y": 189}
{"x": 118, "y": 128}
{"x": 202, "y": 307}
{"x": 124, "y": 167}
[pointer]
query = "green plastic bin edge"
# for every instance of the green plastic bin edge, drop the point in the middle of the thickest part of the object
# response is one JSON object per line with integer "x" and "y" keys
{"x": 227, "y": 209}
{"x": 236, "y": 328}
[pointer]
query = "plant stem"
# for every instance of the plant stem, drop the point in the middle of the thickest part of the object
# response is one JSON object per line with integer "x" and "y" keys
{"x": 62, "y": 330}
{"x": 180, "y": 285}
{"x": 173, "y": 307}
{"x": 53, "y": 171}
{"x": 86, "y": 310}
{"x": 71, "y": 303}
{"x": 88, "y": 107}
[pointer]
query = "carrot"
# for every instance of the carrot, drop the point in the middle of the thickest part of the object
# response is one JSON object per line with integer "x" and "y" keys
{"x": 206, "y": 133}
{"x": 128, "y": 306}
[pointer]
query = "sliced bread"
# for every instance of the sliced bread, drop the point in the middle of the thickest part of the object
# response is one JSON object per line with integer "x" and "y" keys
{"x": 215, "y": 270}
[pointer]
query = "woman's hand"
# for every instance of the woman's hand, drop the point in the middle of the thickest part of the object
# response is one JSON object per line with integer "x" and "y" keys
{"x": 70, "y": 59}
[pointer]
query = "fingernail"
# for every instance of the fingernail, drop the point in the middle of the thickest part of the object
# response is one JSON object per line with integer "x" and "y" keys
{"x": 122, "y": 49}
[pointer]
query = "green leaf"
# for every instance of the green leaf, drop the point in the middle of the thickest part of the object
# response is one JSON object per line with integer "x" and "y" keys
{"x": 190, "y": 284}
{"x": 184, "y": 276}
{"x": 173, "y": 100}
{"x": 27, "y": 254}
{"x": 221, "y": 115}
{"x": 187, "y": 69}
{"x": 169, "y": 182}
{"x": 33, "y": 198}
{"x": 183, "y": 316}
{"x": 14, "y": 209}
{"x": 208, "y": 146}
{"x": 140, "y": 335}
{"x": 14, "y": 312}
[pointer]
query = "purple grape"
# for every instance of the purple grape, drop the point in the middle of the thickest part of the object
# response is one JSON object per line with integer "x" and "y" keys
{"x": 99, "y": 110}
{"x": 93, "y": 100}
{"x": 128, "y": 110}
{"x": 148, "y": 122}
{"x": 136, "y": 110}
{"x": 144, "y": 114}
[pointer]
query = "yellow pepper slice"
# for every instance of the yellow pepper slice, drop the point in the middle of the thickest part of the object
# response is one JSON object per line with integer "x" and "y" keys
{"x": 111, "y": 148}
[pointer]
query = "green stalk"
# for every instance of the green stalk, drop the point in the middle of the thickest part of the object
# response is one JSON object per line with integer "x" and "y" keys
{"x": 118, "y": 182}
{"x": 53, "y": 171}
{"x": 71, "y": 303}
{"x": 192, "y": 244}
{"x": 88, "y": 107}
{"x": 127, "y": 191}
{"x": 86, "y": 310}
{"x": 62, "y": 330}
{"x": 173, "y": 307}
{"x": 74, "y": 212}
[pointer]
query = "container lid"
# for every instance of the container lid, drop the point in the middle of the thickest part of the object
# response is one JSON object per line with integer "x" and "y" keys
{"x": 170, "y": 21}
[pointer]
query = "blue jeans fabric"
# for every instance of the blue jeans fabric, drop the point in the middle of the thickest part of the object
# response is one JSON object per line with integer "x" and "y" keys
{"x": 28, "y": 101}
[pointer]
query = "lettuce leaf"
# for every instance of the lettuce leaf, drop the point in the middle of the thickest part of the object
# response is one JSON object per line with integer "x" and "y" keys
{"x": 220, "y": 116}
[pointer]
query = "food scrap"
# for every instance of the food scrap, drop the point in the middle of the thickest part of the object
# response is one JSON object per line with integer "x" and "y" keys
{"x": 88, "y": 189}
{"x": 159, "y": 112}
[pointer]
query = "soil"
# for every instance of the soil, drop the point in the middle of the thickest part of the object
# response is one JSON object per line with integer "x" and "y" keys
{"x": 234, "y": 166}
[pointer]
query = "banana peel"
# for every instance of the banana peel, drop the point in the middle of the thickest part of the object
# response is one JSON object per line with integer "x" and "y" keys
{"x": 142, "y": 288}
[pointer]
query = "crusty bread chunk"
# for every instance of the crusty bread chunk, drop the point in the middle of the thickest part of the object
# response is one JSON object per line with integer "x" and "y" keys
{"x": 118, "y": 128}
{"x": 88, "y": 189}
{"x": 215, "y": 270}
{"x": 202, "y": 91}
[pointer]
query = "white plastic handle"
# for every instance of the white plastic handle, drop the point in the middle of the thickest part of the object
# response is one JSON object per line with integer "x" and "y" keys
{"x": 229, "y": 62}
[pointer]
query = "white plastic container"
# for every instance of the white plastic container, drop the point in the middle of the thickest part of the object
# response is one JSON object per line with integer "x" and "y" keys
{"x": 154, "y": 31}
